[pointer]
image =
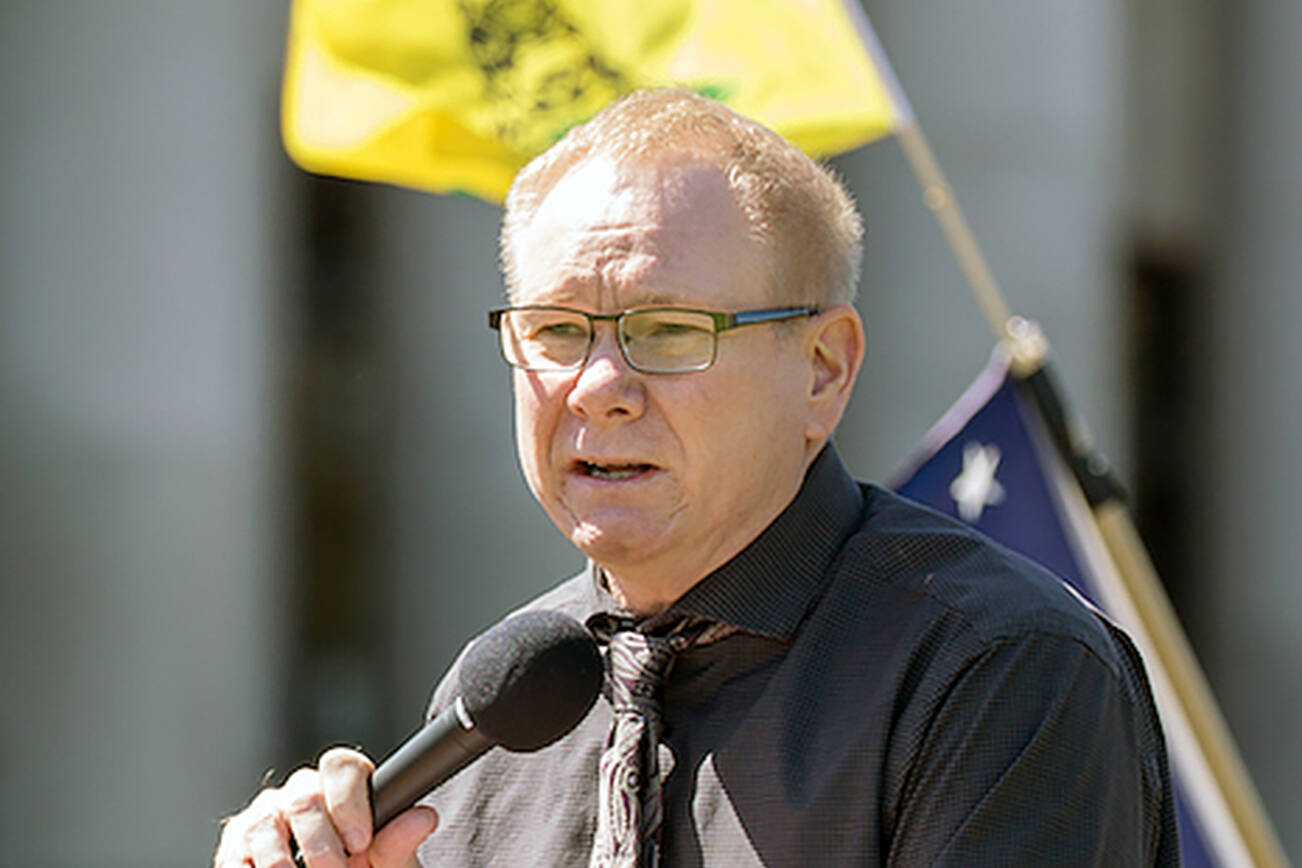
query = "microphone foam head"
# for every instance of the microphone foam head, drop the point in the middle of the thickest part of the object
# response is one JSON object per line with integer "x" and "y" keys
{"x": 531, "y": 679}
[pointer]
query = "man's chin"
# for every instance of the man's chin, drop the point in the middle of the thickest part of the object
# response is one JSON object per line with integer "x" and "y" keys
{"x": 616, "y": 543}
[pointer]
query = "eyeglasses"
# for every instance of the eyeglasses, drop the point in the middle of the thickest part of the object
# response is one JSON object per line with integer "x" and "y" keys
{"x": 653, "y": 340}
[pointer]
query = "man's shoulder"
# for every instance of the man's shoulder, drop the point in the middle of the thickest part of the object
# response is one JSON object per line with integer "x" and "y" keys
{"x": 919, "y": 559}
{"x": 571, "y": 597}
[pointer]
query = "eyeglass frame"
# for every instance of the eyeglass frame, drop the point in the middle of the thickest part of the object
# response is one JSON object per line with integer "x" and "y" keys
{"x": 723, "y": 321}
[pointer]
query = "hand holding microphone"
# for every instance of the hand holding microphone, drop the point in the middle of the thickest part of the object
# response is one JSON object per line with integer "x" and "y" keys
{"x": 522, "y": 685}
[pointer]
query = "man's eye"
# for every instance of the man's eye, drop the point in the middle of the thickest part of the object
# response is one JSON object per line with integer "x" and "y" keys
{"x": 668, "y": 329}
{"x": 560, "y": 330}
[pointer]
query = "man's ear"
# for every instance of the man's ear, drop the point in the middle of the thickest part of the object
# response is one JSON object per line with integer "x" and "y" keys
{"x": 835, "y": 346}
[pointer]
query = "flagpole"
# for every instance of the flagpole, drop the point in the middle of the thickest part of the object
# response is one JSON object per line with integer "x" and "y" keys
{"x": 936, "y": 192}
{"x": 938, "y": 196}
{"x": 1028, "y": 352}
{"x": 1144, "y": 591}
{"x": 1189, "y": 683}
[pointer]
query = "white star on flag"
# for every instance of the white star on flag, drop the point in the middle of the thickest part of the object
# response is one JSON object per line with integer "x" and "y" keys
{"x": 976, "y": 487}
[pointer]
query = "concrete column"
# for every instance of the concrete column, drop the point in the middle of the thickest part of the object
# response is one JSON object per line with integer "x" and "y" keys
{"x": 140, "y": 534}
{"x": 1252, "y": 473}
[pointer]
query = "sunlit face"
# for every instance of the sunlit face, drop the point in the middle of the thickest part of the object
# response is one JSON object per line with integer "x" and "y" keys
{"x": 660, "y": 478}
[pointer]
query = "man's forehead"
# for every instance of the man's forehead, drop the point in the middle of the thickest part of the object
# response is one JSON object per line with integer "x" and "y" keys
{"x": 620, "y": 222}
{"x": 668, "y": 189}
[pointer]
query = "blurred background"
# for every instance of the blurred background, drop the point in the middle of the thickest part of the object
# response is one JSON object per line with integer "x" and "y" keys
{"x": 257, "y": 481}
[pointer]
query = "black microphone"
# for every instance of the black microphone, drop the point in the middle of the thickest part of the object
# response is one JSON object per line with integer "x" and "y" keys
{"x": 522, "y": 685}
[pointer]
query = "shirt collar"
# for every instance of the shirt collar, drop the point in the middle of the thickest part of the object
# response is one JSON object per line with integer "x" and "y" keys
{"x": 768, "y": 586}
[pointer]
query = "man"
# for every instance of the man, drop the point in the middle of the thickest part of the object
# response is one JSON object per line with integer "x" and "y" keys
{"x": 851, "y": 680}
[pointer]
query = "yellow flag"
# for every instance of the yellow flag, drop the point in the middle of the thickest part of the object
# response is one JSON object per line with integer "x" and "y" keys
{"x": 457, "y": 95}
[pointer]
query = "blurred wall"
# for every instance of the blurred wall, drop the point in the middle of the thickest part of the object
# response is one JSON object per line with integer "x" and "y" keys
{"x": 140, "y": 533}
{"x": 1215, "y": 201}
{"x": 1249, "y": 477}
{"x": 154, "y": 271}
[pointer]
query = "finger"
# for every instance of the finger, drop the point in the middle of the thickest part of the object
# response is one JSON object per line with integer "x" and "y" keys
{"x": 230, "y": 847}
{"x": 305, "y": 811}
{"x": 345, "y": 782}
{"x": 395, "y": 845}
{"x": 253, "y": 829}
{"x": 266, "y": 835}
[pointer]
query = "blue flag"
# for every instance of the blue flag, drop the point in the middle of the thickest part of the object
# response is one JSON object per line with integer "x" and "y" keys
{"x": 990, "y": 462}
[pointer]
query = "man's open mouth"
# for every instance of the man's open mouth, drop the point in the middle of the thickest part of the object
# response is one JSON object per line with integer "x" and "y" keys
{"x": 613, "y": 472}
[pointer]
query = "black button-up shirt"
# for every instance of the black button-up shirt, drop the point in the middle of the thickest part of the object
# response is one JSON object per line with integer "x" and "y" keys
{"x": 901, "y": 692}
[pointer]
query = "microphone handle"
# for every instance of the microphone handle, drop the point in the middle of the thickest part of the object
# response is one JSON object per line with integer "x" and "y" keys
{"x": 441, "y": 749}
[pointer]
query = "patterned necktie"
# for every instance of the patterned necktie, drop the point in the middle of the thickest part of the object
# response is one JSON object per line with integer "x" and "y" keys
{"x": 628, "y": 794}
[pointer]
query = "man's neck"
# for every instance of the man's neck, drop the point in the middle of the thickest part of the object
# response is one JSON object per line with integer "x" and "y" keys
{"x": 644, "y": 599}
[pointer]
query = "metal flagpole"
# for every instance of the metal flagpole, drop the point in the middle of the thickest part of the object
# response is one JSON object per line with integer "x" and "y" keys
{"x": 936, "y": 192}
{"x": 1028, "y": 352}
{"x": 937, "y": 196}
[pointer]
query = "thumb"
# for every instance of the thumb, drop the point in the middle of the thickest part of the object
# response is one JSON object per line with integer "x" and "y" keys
{"x": 395, "y": 845}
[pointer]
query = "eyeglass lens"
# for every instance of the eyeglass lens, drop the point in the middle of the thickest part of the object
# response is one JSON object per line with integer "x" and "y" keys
{"x": 652, "y": 340}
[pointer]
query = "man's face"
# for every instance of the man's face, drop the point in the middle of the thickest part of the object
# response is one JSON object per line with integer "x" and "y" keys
{"x": 662, "y": 476}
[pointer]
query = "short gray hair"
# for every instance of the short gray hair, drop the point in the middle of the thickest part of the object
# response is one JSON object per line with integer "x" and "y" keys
{"x": 796, "y": 208}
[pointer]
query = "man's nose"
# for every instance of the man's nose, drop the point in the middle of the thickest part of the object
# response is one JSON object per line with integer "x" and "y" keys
{"x": 607, "y": 389}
